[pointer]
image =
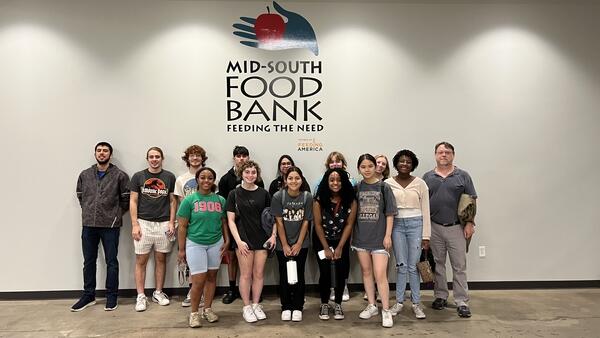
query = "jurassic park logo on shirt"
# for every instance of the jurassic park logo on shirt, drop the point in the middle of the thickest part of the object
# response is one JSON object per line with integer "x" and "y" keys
{"x": 155, "y": 188}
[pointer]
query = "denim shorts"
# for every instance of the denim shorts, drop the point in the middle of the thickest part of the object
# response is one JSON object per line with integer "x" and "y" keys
{"x": 201, "y": 258}
{"x": 372, "y": 252}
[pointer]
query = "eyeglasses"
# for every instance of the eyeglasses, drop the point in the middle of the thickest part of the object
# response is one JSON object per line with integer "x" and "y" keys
{"x": 444, "y": 152}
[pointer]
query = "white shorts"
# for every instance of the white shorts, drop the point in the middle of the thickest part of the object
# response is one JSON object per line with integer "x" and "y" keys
{"x": 372, "y": 252}
{"x": 153, "y": 234}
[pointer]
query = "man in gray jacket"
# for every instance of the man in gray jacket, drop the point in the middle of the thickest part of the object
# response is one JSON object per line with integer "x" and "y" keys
{"x": 103, "y": 194}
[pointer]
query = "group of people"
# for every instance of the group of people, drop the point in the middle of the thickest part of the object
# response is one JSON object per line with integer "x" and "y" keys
{"x": 242, "y": 224}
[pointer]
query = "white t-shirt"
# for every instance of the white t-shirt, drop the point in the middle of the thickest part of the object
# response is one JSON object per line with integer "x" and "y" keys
{"x": 186, "y": 185}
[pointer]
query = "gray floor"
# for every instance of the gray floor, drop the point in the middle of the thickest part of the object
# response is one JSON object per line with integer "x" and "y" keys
{"x": 522, "y": 313}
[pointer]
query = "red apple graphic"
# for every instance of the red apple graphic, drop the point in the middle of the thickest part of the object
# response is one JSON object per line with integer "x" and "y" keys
{"x": 269, "y": 27}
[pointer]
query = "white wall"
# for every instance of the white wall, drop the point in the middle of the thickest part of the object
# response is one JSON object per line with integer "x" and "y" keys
{"x": 513, "y": 86}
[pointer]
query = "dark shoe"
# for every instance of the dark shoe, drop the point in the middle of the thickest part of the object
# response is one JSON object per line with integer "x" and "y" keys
{"x": 111, "y": 304}
{"x": 230, "y": 296}
{"x": 439, "y": 304}
{"x": 463, "y": 311}
{"x": 82, "y": 303}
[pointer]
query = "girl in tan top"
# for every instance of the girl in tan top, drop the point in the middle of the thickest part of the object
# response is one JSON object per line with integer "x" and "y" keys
{"x": 412, "y": 227}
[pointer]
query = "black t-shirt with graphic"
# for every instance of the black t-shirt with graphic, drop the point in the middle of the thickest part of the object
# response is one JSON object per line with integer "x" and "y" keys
{"x": 153, "y": 194}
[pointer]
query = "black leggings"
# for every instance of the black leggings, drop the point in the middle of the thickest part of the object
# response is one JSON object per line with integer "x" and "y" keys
{"x": 342, "y": 267}
{"x": 292, "y": 296}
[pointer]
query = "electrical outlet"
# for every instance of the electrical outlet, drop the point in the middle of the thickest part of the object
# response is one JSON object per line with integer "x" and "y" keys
{"x": 482, "y": 251}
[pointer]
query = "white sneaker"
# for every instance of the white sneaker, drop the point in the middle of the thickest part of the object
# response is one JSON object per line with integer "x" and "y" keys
{"x": 195, "y": 320}
{"x": 258, "y": 312}
{"x": 370, "y": 311}
{"x": 248, "y": 314}
{"x": 187, "y": 302}
{"x": 160, "y": 297}
{"x": 346, "y": 295}
{"x": 418, "y": 311}
{"x": 386, "y": 318}
{"x": 141, "y": 303}
{"x": 286, "y": 315}
{"x": 332, "y": 295}
{"x": 296, "y": 316}
{"x": 396, "y": 308}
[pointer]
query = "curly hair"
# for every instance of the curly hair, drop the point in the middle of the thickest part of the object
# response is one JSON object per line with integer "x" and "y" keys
{"x": 324, "y": 194}
{"x": 409, "y": 154}
{"x": 197, "y": 150}
{"x": 246, "y": 165}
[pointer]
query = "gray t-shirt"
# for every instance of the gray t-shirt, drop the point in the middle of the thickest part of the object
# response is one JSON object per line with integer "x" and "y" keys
{"x": 153, "y": 194}
{"x": 444, "y": 194}
{"x": 373, "y": 207}
{"x": 294, "y": 211}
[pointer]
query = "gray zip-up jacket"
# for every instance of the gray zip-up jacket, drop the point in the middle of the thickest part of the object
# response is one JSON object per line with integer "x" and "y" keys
{"x": 103, "y": 201}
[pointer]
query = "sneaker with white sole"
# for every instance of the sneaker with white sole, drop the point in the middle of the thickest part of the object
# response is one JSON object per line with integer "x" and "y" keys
{"x": 83, "y": 303}
{"x": 387, "y": 320}
{"x": 258, "y": 311}
{"x": 209, "y": 315}
{"x": 286, "y": 315}
{"x": 141, "y": 303}
{"x": 370, "y": 311}
{"x": 418, "y": 311}
{"x": 324, "y": 312}
{"x": 296, "y": 316}
{"x": 396, "y": 308}
{"x": 332, "y": 295}
{"x": 187, "y": 302}
{"x": 346, "y": 294}
{"x": 248, "y": 314}
{"x": 160, "y": 297}
{"x": 195, "y": 320}
{"x": 338, "y": 314}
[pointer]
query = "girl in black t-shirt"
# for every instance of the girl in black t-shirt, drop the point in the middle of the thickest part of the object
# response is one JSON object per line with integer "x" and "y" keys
{"x": 244, "y": 207}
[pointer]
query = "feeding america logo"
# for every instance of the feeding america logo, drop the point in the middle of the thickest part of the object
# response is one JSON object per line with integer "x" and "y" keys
{"x": 269, "y": 31}
{"x": 275, "y": 96}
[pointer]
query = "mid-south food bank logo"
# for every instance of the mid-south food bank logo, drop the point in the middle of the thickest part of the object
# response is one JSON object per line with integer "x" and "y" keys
{"x": 271, "y": 32}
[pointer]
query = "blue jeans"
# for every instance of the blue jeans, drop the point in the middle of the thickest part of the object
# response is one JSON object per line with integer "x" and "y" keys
{"x": 90, "y": 240}
{"x": 406, "y": 238}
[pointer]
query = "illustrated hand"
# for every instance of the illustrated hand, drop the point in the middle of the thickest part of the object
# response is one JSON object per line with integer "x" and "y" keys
{"x": 270, "y": 32}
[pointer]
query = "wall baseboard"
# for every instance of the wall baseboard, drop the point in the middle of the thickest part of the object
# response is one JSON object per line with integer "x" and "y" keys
{"x": 313, "y": 288}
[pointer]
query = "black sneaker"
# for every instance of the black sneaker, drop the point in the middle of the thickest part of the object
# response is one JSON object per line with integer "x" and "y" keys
{"x": 82, "y": 303}
{"x": 111, "y": 304}
{"x": 439, "y": 304}
{"x": 230, "y": 296}
{"x": 463, "y": 311}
